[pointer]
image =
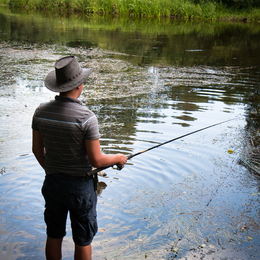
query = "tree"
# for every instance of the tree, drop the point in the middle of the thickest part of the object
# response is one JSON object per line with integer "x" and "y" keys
{"x": 240, "y": 4}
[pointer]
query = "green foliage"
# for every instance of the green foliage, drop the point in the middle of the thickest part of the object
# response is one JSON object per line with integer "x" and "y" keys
{"x": 208, "y": 10}
{"x": 189, "y": 9}
{"x": 240, "y": 4}
{"x": 4, "y": 2}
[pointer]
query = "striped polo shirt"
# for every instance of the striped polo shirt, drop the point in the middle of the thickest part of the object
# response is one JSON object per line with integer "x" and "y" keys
{"x": 65, "y": 124}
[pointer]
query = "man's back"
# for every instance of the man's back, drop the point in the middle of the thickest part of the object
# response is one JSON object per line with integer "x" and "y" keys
{"x": 64, "y": 125}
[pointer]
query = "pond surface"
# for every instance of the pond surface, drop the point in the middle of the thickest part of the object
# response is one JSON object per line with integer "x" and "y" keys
{"x": 153, "y": 80}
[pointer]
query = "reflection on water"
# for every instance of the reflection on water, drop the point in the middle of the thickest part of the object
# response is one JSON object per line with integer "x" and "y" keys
{"x": 150, "y": 84}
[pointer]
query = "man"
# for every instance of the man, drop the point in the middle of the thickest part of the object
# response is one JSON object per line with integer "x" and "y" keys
{"x": 66, "y": 144}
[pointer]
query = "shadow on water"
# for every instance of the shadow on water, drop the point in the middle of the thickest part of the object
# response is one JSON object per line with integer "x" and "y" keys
{"x": 153, "y": 80}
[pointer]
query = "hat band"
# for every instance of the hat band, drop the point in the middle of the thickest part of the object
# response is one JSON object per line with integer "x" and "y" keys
{"x": 70, "y": 79}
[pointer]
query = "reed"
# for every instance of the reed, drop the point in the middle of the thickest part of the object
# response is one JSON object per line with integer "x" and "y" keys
{"x": 187, "y": 9}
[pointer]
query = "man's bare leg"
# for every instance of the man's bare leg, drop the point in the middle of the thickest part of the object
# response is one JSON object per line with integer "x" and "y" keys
{"x": 53, "y": 248}
{"x": 82, "y": 252}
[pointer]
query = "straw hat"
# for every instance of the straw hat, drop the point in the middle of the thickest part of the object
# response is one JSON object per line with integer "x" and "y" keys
{"x": 67, "y": 75}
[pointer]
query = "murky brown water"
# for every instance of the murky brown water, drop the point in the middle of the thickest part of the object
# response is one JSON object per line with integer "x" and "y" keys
{"x": 152, "y": 81}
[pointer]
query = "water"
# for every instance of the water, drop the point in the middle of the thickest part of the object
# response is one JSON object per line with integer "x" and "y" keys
{"x": 152, "y": 81}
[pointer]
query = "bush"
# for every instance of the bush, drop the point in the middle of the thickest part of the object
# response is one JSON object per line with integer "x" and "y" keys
{"x": 240, "y": 4}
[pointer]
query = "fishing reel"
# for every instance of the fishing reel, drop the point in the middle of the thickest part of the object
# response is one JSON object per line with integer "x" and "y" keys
{"x": 116, "y": 167}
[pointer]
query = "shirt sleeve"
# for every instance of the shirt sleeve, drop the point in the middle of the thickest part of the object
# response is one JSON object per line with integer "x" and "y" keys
{"x": 34, "y": 122}
{"x": 91, "y": 129}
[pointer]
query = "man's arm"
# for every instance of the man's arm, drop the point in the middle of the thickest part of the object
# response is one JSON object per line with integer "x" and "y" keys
{"x": 98, "y": 159}
{"x": 38, "y": 147}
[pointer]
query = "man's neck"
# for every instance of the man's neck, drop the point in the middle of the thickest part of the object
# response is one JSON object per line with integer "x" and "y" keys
{"x": 74, "y": 93}
{"x": 70, "y": 94}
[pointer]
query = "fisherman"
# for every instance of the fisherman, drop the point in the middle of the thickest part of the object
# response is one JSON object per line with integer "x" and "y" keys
{"x": 66, "y": 144}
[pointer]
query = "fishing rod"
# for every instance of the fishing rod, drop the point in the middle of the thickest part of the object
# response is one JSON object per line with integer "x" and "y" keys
{"x": 156, "y": 146}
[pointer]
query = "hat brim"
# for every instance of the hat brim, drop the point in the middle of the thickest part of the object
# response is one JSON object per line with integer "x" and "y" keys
{"x": 51, "y": 82}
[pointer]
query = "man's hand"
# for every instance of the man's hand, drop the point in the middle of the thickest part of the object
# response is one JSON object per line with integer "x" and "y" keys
{"x": 121, "y": 163}
{"x": 98, "y": 159}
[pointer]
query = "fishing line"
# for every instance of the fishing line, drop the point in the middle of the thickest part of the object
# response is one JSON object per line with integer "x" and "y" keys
{"x": 156, "y": 146}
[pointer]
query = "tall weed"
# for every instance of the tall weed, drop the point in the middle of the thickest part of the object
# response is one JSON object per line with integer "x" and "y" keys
{"x": 189, "y": 9}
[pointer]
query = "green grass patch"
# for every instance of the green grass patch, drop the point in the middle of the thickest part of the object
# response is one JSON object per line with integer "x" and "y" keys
{"x": 187, "y": 9}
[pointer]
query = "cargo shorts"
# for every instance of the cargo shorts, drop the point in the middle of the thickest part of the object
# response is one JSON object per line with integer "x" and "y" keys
{"x": 76, "y": 197}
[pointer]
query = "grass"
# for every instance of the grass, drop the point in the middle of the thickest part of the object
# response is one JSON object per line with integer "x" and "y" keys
{"x": 187, "y": 9}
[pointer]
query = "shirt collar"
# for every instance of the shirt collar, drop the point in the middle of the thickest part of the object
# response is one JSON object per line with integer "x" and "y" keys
{"x": 67, "y": 99}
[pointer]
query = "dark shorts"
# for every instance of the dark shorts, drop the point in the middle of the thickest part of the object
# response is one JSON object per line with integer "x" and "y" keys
{"x": 79, "y": 198}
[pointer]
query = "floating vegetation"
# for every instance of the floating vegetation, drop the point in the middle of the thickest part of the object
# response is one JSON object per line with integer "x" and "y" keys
{"x": 250, "y": 157}
{"x": 112, "y": 78}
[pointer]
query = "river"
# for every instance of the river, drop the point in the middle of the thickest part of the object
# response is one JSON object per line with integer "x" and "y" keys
{"x": 154, "y": 80}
